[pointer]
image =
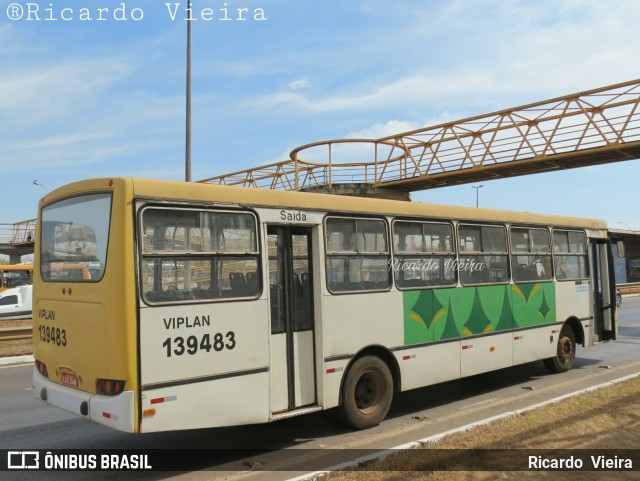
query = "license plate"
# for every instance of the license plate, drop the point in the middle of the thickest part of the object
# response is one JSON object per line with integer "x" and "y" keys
{"x": 69, "y": 379}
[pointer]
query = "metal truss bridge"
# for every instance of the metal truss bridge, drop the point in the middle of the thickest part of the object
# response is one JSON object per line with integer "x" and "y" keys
{"x": 593, "y": 127}
{"x": 17, "y": 239}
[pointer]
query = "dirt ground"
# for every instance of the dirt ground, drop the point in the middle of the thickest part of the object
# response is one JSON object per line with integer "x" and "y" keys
{"x": 15, "y": 348}
{"x": 605, "y": 422}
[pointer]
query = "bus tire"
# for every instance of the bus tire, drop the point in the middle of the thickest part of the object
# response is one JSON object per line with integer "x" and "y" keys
{"x": 566, "y": 352}
{"x": 367, "y": 392}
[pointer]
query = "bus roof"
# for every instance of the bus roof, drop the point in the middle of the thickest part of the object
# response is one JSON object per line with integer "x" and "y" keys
{"x": 16, "y": 267}
{"x": 190, "y": 191}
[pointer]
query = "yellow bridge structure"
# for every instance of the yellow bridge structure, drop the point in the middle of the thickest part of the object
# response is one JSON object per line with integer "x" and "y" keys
{"x": 17, "y": 239}
{"x": 588, "y": 128}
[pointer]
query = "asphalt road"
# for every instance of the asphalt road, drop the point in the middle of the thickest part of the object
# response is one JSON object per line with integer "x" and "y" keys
{"x": 29, "y": 424}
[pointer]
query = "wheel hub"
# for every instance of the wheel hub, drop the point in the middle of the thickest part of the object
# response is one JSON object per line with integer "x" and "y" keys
{"x": 368, "y": 392}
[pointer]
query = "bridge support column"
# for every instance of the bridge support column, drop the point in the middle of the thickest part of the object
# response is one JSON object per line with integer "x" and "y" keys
{"x": 15, "y": 259}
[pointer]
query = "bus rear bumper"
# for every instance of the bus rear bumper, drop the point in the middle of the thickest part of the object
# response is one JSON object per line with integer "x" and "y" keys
{"x": 116, "y": 412}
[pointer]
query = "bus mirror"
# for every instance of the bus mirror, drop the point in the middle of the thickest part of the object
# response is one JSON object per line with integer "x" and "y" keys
{"x": 620, "y": 248}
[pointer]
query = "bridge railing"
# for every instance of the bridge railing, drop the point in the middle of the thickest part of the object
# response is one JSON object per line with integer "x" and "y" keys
{"x": 19, "y": 233}
{"x": 597, "y": 121}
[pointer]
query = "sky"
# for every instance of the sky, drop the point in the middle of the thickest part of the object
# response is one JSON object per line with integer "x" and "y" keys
{"x": 86, "y": 98}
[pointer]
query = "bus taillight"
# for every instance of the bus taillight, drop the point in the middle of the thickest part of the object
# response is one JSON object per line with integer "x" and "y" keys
{"x": 109, "y": 387}
{"x": 42, "y": 368}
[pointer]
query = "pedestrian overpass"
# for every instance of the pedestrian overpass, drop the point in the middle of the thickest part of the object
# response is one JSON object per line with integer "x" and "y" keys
{"x": 17, "y": 239}
{"x": 598, "y": 126}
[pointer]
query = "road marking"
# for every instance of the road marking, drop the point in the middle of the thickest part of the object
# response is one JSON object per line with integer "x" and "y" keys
{"x": 7, "y": 362}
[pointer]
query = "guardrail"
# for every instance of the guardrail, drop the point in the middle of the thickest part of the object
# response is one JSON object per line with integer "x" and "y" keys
{"x": 629, "y": 288}
{"x": 15, "y": 333}
{"x": 19, "y": 233}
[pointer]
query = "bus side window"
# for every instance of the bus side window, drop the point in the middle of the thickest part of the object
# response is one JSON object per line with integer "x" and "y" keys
{"x": 253, "y": 283}
{"x": 276, "y": 295}
{"x": 570, "y": 255}
{"x": 206, "y": 254}
{"x": 499, "y": 270}
{"x": 483, "y": 254}
{"x": 358, "y": 254}
{"x": 157, "y": 296}
{"x": 306, "y": 294}
{"x": 238, "y": 284}
{"x": 530, "y": 254}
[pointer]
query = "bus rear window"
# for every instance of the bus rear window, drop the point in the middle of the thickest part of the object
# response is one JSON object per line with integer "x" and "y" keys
{"x": 74, "y": 239}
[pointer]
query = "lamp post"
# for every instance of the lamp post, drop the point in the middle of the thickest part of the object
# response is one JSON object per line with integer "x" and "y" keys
{"x": 35, "y": 182}
{"x": 477, "y": 187}
{"x": 187, "y": 167}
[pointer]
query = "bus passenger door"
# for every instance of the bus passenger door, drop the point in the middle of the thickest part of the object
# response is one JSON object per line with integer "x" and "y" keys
{"x": 604, "y": 290}
{"x": 291, "y": 300}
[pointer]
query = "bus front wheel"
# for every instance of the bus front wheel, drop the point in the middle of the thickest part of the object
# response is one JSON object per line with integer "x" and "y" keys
{"x": 566, "y": 352}
{"x": 367, "y": 392}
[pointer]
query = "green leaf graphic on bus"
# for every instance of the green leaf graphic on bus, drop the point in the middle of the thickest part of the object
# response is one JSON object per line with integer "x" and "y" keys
{"x": 434, "y": 315}
{"x": 533, "y": 304}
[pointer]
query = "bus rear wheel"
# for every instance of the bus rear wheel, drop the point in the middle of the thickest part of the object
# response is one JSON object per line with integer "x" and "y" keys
{"x": 367, "y": 392}
{"x": 566, "y": 352}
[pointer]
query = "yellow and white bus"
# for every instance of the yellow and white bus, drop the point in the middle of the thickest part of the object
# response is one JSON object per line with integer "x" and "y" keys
{"x": 15, "y": 275}
{"x": 216, "y": 306}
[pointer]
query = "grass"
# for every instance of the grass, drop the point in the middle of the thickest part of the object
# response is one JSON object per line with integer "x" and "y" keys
{"x": 15, "y": 348}
{"x": 608, "y": 418}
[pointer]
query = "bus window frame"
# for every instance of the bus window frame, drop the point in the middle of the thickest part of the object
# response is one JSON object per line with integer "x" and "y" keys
{"x": 513, "y": 254}
{"x": 350, "y": 254}
{"x": 91, "y": 280}
{"x": 183, "y": 255}
{"x": 398, "y": 255}
{"x": 584, "y": 254}
{"x": 461, "y": 253}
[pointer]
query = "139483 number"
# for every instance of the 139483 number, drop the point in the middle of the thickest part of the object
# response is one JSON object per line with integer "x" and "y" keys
{"x": 191, "y": 345}
{"x": 53, "y": 335}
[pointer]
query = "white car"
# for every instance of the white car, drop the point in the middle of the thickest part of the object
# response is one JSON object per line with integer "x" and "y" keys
{"x": 618, "y": 298}
{"x": 16, "y": 303}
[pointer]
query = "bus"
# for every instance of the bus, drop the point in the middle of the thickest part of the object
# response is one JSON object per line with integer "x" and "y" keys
{"x": 215, "y": 305}
{"x": 70, "y": 271}
{"x": 15, "y": 275}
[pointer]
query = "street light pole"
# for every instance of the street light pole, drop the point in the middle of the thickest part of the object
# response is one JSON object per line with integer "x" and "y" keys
{"x": 626, "y": 225}
{"x": 477, "y": 187}
{"x": 35, "y": 182}
{"x": 187, "y": 168}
